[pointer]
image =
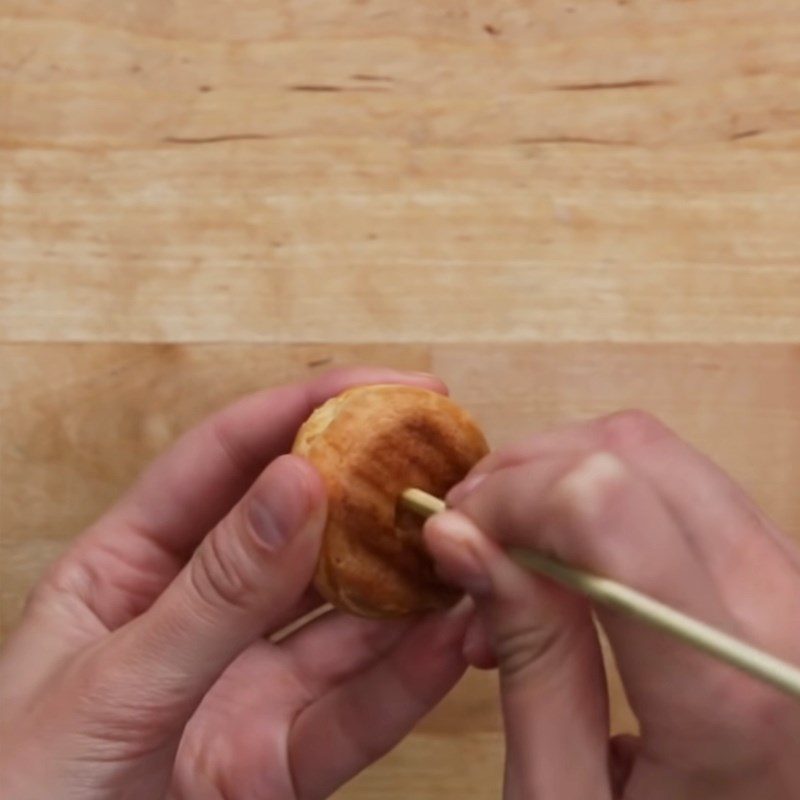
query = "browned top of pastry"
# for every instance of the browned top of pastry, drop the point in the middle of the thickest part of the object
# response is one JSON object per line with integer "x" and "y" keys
{"x": 370, "y": 443}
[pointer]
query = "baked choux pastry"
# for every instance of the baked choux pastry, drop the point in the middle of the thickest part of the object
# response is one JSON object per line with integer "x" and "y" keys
{"x": 370, "y": 444}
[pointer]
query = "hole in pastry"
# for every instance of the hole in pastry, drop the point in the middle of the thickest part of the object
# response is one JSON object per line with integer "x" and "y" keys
{"x": 408, "y": 525}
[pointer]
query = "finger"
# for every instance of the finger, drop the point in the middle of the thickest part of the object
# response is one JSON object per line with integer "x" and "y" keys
{"x": 338, "y": 645}
{"x": 127, "y": 558}
{"x": 656, "y": 451}
{"x": 567, "y": 441}
{"x": 542, "y": 473}
{"x": 601, "y": 516}
{"x": 551, "y": 676}
{"x": 357, "y": 722}
{"x": 477, "y": 649}
{"x": 244, "y": 579}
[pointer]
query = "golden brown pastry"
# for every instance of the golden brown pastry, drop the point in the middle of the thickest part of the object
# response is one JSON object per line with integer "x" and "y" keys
{"x": 370, "y": 443}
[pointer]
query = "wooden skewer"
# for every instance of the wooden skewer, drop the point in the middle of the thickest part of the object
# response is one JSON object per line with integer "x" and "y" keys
{"x": 606, "y": 592}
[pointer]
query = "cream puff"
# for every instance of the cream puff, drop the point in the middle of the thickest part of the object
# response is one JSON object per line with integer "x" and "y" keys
{"x": 370, "y": 444}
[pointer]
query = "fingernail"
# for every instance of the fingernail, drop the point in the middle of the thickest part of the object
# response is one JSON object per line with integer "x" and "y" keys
{"x": 451, "y": 541}
{"x": 460, "y": 491}
{"x": 279, "y": 504}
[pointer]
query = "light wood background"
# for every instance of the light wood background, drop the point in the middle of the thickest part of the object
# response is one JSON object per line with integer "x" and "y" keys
{"x": 563, "y": 208}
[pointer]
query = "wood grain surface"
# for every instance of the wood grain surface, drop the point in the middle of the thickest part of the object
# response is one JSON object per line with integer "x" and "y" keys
{"x": 563, "y": 208}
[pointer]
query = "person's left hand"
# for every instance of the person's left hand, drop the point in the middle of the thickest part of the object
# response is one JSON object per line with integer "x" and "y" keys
{"x": 139, "y": 669}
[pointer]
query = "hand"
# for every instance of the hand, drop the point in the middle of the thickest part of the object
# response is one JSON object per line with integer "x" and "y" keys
{"x": 139, "y": 667}
{"x": 624, "y": 497}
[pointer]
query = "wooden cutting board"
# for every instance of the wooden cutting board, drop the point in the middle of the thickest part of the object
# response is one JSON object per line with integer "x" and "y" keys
{"x": 563, "y": 208}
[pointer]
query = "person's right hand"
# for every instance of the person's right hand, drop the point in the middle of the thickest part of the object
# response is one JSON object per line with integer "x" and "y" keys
{"x": 624, "y": 497}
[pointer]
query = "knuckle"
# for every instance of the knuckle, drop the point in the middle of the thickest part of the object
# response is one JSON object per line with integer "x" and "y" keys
{"x": 589, "y": 491}
{"x": 66, "y": 576}
{"x": 220, "y": 572}
{"x": 631, "y": 429}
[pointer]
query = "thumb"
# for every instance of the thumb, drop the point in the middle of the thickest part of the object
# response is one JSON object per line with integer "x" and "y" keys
{"x": 245, "y": 579}
{"x": 551, "y": 675}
